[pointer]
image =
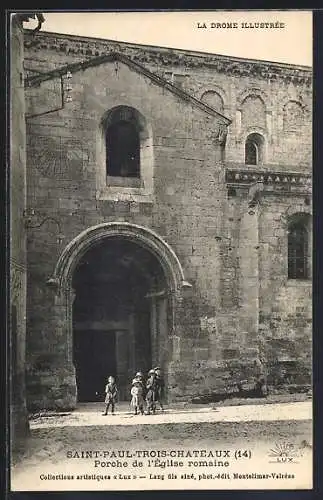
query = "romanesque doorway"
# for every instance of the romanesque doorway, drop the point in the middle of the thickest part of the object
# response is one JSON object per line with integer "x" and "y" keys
{"x": 120, "y": 315}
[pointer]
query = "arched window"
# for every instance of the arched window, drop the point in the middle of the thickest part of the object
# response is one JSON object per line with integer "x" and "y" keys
{"x": 123, "y": 149}
{"x": 125, "y": 154}
{"x": 254, "y": 149}
{"x": 251, "y": 152}
{"x": 213, "y": 99}
{"x": 298, "y": 250}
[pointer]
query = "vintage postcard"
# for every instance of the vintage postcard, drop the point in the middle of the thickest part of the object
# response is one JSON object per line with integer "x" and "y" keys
{"x": 161, "y": 241}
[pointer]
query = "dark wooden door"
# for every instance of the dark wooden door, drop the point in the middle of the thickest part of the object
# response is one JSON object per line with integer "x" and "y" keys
{"x": 95, "y": 360}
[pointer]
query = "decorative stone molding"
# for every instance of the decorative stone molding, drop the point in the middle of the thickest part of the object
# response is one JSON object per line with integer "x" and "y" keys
{"x": 145, "y": 237}
{"x": 158, "y": 56}
{"x": 285, "y": 181}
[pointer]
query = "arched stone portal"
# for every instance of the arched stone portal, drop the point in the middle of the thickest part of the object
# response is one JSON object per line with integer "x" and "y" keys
{"x": 119, "y": 287}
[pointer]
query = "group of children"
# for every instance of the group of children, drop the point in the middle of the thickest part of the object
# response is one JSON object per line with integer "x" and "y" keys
{"x": 143, "y": 392}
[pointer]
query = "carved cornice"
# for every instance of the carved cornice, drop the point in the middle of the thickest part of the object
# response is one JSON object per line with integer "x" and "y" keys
{"x": 163, "y": 57}
{"x": 281, "y": 181}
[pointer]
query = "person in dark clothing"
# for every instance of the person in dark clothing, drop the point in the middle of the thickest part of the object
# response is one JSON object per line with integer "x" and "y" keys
{"x": 111, "y": 393}
{"x": 160, "y": 387}
{"x": 151, "y": 388}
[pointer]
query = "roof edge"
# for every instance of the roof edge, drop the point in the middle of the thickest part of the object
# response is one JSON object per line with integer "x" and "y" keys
{"x": 139, "y": 68}
{"x": 174, "y": 50}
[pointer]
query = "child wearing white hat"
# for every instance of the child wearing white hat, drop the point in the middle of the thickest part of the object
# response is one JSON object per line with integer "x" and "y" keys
{"x": 137, "y": 398}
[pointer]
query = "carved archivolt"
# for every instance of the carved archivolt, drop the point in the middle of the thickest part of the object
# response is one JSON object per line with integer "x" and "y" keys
{"x": 253, "y": 130}
{"x": 145, "y": 237}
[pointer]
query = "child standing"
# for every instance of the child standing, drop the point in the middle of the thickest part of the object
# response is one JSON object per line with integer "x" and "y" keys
{"x": 111, "y": 393}
{"x": 137, "y": 396}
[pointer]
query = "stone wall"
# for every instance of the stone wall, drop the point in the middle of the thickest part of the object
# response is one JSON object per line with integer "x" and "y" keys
{"x": 19, "y": 422}
{"x": 271, "y": 98}
{"x": 241, "y": 305}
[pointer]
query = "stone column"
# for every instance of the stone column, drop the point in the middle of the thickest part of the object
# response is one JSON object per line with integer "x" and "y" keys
{"x": 19, "y": 420}
{"x": 249, "y": 269}
{"x": 160, "y": 319}
{"x": 162, "y": 330}
{"x": 269, "y": 123}
{"x": 69, "y": 298}
{"x": 154, "y": 329}
{"x": 238, "y": 122}
{"x": 174, "y": 362}
{"x": 60, "y": 327}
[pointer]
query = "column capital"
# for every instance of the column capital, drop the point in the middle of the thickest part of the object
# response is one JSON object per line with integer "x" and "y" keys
{"x": 254, "y": 194}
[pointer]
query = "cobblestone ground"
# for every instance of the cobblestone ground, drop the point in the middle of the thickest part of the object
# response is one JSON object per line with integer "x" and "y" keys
{"x": 56, "y": 442}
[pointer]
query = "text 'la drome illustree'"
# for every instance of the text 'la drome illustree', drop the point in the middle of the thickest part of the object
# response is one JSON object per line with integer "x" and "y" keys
{"x": 243, "y": 25}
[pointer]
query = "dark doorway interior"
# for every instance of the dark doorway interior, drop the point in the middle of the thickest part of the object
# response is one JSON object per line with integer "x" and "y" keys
{"x": 94, "y": 354}
{"x": 112, "y": 316}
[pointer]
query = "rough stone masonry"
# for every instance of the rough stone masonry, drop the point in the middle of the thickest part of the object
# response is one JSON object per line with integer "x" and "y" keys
{"x": 195, "y": 249}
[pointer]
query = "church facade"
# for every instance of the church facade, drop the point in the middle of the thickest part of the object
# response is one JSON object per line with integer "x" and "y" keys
{"x": 168, "y": 219}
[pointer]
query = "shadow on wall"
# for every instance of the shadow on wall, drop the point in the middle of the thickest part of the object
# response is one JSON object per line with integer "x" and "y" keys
{"x": 281, "y": 377}
{"x": 243, "y": 389}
